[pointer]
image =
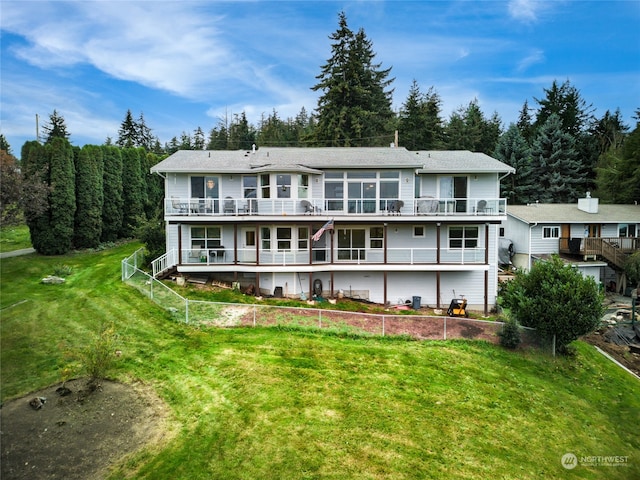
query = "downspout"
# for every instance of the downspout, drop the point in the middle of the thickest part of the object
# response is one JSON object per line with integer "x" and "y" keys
{"x": 531, "y": 227}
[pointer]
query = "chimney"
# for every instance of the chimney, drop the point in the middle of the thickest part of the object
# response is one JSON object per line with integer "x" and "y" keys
{"x": 588, "y": 204}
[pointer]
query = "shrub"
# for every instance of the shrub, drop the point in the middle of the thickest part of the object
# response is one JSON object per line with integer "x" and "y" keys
{"x": 98, "y": 357}
{"x": 556, "y": 300}
{"x": 510, "y": 335}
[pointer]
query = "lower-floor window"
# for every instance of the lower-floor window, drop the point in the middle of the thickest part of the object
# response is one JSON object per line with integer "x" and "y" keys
{"x": 206, "y": 237}
{"x": 463, "y": 237}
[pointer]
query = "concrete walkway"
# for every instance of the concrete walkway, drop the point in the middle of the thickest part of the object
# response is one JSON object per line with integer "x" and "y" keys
{"x": 17, "y": 253}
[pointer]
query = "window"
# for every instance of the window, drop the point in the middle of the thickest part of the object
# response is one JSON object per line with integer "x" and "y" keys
{"x": 303, "y": 238}
{"x": 501, "y": 231}
{"x": 265, "y": 185}
{"x": 283, "y": 183}
{"x": 206, "y": 237}
{"x": 626, "y": 230}
{"x": 454, "y": 188}
{"x": 418, "y": 231}
{"x": 389, "y": 188}
{"x": 334, "y": 193}
{"x": 463, "y": 237}
{"x": 250, "y": 186}
{"x": 376, "y": 237}
{"x": 283, "y": 238}
{"x": 265, "y": 234}
{"x": 303, "y": 186}
{"x": 551, "y": 232}
{"x": 351, "y": 244}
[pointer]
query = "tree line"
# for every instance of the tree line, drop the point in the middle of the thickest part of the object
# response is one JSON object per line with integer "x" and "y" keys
{"x": 77, "y": 197}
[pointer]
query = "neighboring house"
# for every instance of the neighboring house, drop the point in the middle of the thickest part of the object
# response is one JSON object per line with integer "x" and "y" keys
{"x": 401, "y": 224}
{"x": 595, "y": 238}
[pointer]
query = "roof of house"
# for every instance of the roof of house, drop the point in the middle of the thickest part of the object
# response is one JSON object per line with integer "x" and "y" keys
{"x": 313, "y": 160}
{"x": 569, "y": 213}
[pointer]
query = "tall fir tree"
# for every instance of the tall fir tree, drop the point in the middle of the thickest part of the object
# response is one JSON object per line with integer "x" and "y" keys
{"x": 128, "y": 132}
{"x": 242, "y": 135}
{"x": 198, "y": 139}
{"x": 420, "y": 124}
{"x": 133, "y": 192}
{"x": 113, "y": 203}
{"x": 514, "y": 150}
{"x": 51, "y": 230}
{"x": 354, "y": 109}
{"x": 555, "y": 164}
{"x": 469, "y": 129}
{"x": 525, "y": 123}
{"x": 89, "y": 165}
{"x": 56, "y": 128}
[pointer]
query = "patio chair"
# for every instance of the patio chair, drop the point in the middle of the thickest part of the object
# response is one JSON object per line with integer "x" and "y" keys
{"x": 229, "y": 206}
{"x": 308, "y": 207}
{"x": 395, "y": 207}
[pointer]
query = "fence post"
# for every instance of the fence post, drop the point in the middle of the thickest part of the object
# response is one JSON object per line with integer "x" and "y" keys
{"x": 553, "y": 345}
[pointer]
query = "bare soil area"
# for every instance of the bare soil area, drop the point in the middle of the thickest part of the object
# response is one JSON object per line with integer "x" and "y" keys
{"x": 78, "y": 435}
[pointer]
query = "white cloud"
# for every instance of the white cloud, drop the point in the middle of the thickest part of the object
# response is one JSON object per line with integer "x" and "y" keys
{"x": 524, "y": 10}
{"x": 534, "y": 57}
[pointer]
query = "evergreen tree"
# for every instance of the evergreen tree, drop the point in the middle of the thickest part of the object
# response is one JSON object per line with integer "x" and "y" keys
{"x": 567, "y": 103}
{"x": 133, "y": 192}
{"x": 144, "y": 136}
{"x": 89, "y": 197}
{"x": 555, "y": 165}
{"x": 198, "y": 139}
{"x": 56, "y": 128}
{"x": 353, "y": 109}
{"x": 513, "y": 150}
{"x": 128, "y": 132}
{"x": 273, "y": 131}
{"x": 185, "y": 142}
{"x": 52, "y": 229}
{"x": 242, "y": 136}
{"x": 468, "y": 129}
{"x": 525, "y": 123}
{"x": 420, "y": 125}
{"x": 4, "y": 145}
{"x": 113, "y": 204}
{"x": 218, "y": 137}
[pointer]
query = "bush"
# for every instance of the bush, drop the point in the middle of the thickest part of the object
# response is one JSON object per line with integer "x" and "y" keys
{"x": 556, "y": 300}
{"x": 98, "y": 357}
{"x": 510, "y": 335}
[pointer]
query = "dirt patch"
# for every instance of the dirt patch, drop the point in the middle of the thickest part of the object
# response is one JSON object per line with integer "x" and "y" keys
{"x": 620, "y": 352}
{"x": 79, "y": 435}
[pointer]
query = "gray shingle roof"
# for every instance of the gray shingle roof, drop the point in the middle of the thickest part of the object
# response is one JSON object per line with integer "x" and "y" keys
{"x": 569, "y": 213}
{"x": 309, "y": 159}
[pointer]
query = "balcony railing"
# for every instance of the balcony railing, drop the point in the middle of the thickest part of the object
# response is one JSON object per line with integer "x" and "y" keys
{"x": 613, "y": 249}
{"x": 408, "y": 256}
{"x": 177, "y": 206}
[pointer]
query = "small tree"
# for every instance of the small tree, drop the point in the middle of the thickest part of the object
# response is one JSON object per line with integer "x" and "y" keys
{"x": 632, "y": 269}
{"x": 556, "y": 300}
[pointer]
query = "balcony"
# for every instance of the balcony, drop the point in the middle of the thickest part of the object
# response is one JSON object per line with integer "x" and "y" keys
{"x": 425, "y": 206}
{"x": 614, "y": 250}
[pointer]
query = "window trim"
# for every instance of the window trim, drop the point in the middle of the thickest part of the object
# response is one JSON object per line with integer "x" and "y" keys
{"x": 550, "y": 232}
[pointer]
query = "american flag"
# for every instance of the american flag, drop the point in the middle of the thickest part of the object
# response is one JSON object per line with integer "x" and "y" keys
{"x": 326, "y": 226}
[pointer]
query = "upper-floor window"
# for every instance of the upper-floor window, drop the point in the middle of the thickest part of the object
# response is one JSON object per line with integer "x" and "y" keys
{"x": 463, "y": 237}
{"x": 283, "y": 185}
{"x": 455, "y": 188}
{"x": 376, "y": 237}
{"x": 303, "y": 186}
{"x": 250, "y": 186}
{"x": 418, "y": 231}
{"x": 283, "y": 238}
{"x": 551, "y": 232}
{"x": 265, "y": 185}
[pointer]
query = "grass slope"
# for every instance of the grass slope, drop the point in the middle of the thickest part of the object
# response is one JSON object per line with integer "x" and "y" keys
{"x": 295, "y": 404}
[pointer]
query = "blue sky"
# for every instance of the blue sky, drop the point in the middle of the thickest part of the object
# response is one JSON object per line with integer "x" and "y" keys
{"x": 186, "y": 64}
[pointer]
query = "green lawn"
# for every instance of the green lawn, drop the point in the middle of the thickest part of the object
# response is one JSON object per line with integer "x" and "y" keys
{"x": 297, "y": 404}
{"x": 14, "y": 238}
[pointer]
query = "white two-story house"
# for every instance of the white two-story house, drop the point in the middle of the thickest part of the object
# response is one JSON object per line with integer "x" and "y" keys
{"x": 398, "y": 224}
